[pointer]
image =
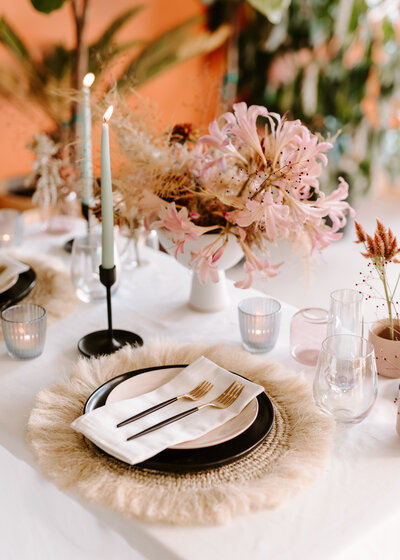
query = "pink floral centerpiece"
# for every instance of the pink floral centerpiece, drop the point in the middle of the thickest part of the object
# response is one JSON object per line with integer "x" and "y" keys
{"x": 255, "y": 177}
{"x": 264, "y": 183}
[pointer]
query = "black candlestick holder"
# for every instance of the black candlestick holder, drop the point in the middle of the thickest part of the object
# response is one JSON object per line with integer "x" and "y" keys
{"x": 110, "y": 340}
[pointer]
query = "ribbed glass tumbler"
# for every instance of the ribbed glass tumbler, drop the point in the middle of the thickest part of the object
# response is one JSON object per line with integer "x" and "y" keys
{"x": 24, "y": 330}
{"x": 259, "y": 322}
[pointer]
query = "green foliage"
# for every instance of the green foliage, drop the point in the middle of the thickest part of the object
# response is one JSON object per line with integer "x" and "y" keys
{"x": 309, "y": 32}
{"x": 272, "y": 9}
{"x": 47, "y": 6}
{"x": 51, "y": 73}
{"x": 161, "y": 53}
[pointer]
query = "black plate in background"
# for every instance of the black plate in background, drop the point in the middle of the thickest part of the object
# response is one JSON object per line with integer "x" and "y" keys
{"x": 68, "y": 245}
{"x": 26, "y": 281}
{"x": 192, "y": 460}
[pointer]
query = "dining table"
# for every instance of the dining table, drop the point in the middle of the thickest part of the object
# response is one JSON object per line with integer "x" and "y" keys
{"x": 350, "y": 511}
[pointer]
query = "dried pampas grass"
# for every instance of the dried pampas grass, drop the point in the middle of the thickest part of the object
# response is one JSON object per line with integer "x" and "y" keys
{"x": 53, "y": 290}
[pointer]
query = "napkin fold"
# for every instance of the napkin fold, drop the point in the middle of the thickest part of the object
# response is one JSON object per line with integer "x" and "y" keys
{"x": 10, "y": 269}
{"x": 100, "y": 425}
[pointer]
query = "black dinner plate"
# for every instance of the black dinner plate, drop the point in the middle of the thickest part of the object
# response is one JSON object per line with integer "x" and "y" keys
{"x": 192, "y": 460}
{"x": 26, "y": 281}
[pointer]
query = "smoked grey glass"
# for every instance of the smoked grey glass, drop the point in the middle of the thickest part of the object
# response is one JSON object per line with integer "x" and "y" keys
{"x": 259, "y": 322}
{"x": 24, "y": 330}
{"x": 345, "y": 383}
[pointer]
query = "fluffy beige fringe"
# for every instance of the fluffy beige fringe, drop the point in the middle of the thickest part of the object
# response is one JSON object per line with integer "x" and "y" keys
{"x": 53, "y": 289}
{"x": 291, "y": 456}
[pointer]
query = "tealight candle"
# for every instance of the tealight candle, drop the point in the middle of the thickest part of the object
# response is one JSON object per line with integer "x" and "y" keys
{"x": 24, "y": 329}
{"x": 10, "y": 227}
{"x": 259, "y": 321}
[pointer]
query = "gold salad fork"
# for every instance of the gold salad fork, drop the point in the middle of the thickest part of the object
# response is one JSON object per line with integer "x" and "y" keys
{"x": 194, "y": 395}
{"x": 224, "y": 400}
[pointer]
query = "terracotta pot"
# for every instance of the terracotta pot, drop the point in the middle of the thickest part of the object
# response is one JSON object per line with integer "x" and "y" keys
{"x": 212, "y": 296}
{"x": 398, "y": 416}
{"x": 387, "y": 351}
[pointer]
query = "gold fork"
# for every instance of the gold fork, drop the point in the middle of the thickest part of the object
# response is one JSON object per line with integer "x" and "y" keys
{"x": 194, "y": 395}
{"x": 224, "y": 400}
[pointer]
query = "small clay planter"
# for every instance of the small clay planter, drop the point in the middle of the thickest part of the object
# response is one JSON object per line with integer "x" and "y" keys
{"x": 398, "y": 415}
{"x": 387, "y": 351}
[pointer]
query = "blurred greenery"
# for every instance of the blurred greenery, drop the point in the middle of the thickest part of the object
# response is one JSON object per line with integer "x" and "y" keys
{"x": 46, "y": 80}
{"x": 335, "y": 67}
{"x": 47, "y": 6}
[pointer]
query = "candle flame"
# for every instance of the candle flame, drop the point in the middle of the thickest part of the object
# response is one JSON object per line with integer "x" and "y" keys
{"x": 88, "y": 80}
{"x": 108, "y": 113}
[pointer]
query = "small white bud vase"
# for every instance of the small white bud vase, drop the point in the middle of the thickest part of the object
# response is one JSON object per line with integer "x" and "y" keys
{"x": 212, "y": 296}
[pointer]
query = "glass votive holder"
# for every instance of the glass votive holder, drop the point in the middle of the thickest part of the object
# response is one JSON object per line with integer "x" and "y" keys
{"x": 24, "y": 330}
{"x": 307, "y": 332}
{"x": 259, "y": 322}
{"x": 11, "y": 227}
{"x": 85, "y": 262}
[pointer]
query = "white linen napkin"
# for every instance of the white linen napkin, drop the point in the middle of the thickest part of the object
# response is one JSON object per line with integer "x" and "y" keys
{"x": 10, "y": 269}
{"x": 100, "y": 425}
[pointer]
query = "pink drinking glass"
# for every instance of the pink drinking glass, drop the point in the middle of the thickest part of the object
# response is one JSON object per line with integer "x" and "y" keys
{"x": 307, "y": 331}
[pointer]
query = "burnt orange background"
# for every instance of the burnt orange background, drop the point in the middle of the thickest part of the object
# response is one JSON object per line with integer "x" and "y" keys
{"x": 188, "y": 92}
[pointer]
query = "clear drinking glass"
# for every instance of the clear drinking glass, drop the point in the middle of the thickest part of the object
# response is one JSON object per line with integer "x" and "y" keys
{"x": 85, "y": 262}
{"x": 345, "y": 382}
{"x": 307, "y": 332}
{"x": 345, "y": 313}
{"x": 259, "y": 322}
{"x": 11, "y": 227}
{"x": 24, "y": 330}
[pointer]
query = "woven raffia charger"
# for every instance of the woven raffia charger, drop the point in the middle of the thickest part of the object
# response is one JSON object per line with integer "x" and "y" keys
{"x": 290, "y": 457}
{"x": 53, "y": 289}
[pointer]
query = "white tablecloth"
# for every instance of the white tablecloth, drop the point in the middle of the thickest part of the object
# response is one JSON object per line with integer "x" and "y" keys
{"x": 352, "y": 511}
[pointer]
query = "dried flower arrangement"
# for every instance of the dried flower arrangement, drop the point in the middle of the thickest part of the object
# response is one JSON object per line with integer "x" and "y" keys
{"x": 51, "y": 174}
{"x": 381, "y": 250}
{"x": 258, "y": 182}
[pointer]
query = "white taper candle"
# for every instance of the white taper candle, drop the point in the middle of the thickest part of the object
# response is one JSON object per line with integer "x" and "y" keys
{"x": 87, "y": 169}
{"x": 107, "y": 210}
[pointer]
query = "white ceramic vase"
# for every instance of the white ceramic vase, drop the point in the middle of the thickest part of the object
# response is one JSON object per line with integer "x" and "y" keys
{"x": 212, "y": 296}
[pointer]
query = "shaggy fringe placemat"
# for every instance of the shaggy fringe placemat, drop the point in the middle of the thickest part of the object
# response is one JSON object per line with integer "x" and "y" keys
{"x": 288, "y": 459}
{"x": 53, "y": 289}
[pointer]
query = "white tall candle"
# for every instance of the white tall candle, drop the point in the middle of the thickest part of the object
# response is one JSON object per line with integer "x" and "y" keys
{"x": 107, "y": 211}
{"x": 87, "y": 169}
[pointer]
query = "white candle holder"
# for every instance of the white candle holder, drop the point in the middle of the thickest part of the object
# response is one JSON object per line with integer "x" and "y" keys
{"x": 259, "y": 322}
{"x": 24, "y": 330}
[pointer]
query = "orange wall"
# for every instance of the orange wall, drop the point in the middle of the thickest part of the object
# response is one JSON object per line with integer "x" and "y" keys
{"x": 187, "y": 92}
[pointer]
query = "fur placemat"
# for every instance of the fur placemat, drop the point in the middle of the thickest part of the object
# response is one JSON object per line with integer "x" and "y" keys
{"x": 289, "y": 458}
{"x": 53, "y": 289}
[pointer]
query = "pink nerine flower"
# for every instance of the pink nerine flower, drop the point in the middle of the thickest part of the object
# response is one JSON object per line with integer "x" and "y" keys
{"x": 205, "y": 267}
{"x": 242, "y": 124}
{"x": 267, "y": 214}
{"x": 205, "y": 260}
{"x": 178, "y": 222}
{"x": 149, "y": 206}
{"x": 254, "y": 264}
{"x": 335, "y": 206}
